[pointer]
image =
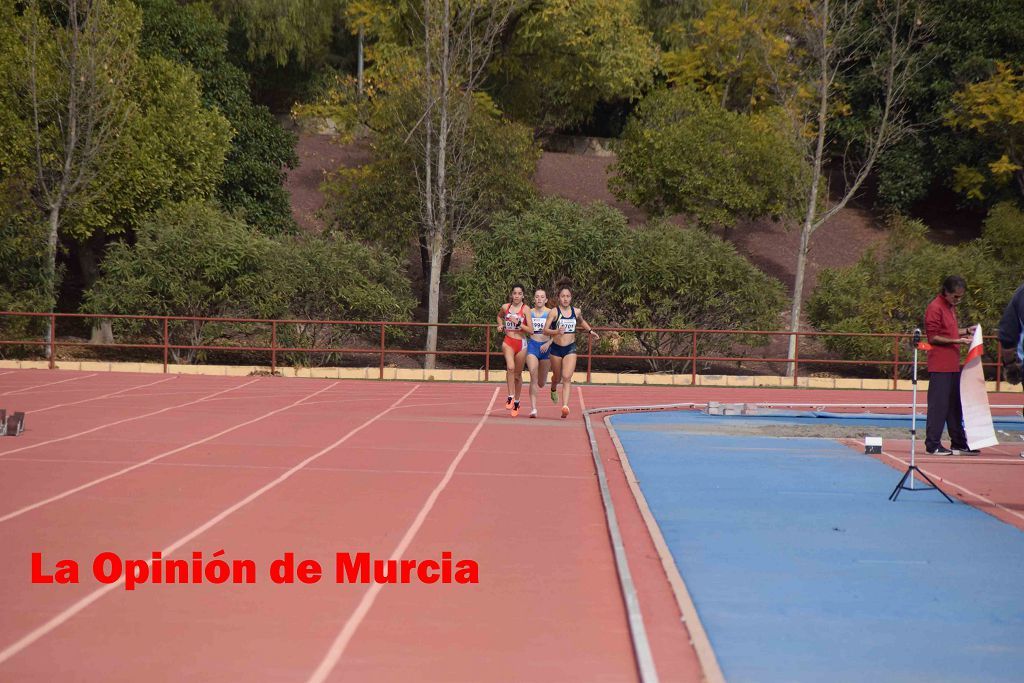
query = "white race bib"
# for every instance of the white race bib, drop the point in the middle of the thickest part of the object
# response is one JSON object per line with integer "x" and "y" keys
{"x": 567, "y": 325}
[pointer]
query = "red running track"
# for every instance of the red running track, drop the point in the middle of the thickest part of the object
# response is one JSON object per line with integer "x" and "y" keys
{"x": 262, "y": 466}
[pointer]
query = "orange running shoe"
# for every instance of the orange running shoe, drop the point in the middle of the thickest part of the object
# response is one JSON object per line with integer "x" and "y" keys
{"x": 508, "y": 403}
{"x": 565, "y": 412}
{"x": 515, "y": 409}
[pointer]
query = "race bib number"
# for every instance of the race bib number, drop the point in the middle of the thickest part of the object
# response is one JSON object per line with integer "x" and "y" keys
{"x": 567, "y": 325}
{"x": 513, "y": 322}
{"x": 538, "y": 324}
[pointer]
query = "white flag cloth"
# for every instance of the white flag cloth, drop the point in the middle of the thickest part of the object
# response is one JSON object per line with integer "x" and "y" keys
{"x": 974, "y": 398}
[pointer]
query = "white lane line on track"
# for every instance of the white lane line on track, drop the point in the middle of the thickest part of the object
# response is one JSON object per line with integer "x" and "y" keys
{"x": 47, "y": 384}
{"x": 961, "y": 488}
{"x": 344, "y": 637}
{"x": 68, "y": 613}
{"x": 126, "y": 470}
{"x": 121, "y": 421}
{"x": 97, "y": 398}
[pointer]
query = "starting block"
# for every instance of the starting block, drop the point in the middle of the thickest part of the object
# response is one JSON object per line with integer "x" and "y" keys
{"x": 11, "y": 425}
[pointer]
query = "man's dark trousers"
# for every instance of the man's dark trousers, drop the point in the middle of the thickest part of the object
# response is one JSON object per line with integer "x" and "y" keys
{"x": 944, "y": 407}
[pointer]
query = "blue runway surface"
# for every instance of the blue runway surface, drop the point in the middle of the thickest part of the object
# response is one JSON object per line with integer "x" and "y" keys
{"x": 802, "y": 570}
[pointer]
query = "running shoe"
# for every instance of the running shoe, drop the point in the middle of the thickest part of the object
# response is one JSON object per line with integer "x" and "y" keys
{"x": 565, "y": 412}
{"x": 533, "y": 413}
{"x": 515, "y": 409}
{"x": 941, "y": 450}
{"x": 966, "y": 451}
{"x": 508, "y": 403}
{"x": 554, "y": 393}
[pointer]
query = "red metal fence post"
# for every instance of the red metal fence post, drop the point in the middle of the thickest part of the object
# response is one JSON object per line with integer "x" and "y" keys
{"x": 487, "y": 356}
{"x": 590, "y": 354}
{"x": 167, "y": 344}
{"x": 273, "y": 347}
{"x": 53, "y": 339}
{"x": 382, "y": 351}
{"x": 693, "y": 360}
{"x": 796, "y": 359}
{"x": 999, "y": 366}
{"x": 895, "y": 362}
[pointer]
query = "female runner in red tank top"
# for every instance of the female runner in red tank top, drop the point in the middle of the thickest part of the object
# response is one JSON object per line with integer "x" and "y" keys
{"x": 511, "y": 320}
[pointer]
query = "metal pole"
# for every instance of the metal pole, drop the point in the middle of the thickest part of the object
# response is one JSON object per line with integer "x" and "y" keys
{"x": 53, "y": 339}
{"x": 999, "y": 367}
{"x": 487, "y": 356}
{"x": 895, "y": 362}
{"x": 273, "y": 347}
{"x": 590, "y": 354}
{"x": 167, "y": 344}
{"x": 913, "y": 419}
{"x": 796, "y": 359}
{"x": 381, "y": 351}
{"x": 693, "y": 360}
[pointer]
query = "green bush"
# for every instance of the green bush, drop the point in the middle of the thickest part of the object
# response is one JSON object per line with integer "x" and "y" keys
{"x": 23, "y": 284}
{"x": 888, "y": 289}
{"x": 190, "y": 259}
{"x": 194, "y": 260}
{"x": 680, "y": 278}
{"x": 333, "y": 278}
{"x": 1004, "y": 233}
{"x": 684, "y": 153}
{"x": 658, "y": 275}
{"x": 549, "y": 240}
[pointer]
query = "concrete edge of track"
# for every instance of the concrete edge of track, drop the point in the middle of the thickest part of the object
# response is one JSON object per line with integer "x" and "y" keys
{"x": 638, "y": 634}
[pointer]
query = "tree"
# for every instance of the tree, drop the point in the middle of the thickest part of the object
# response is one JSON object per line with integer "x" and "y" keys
{"x": 586, "y": 244}
{"x": 682, "y": 152}
{"x": 458, "y": 40}
{"x": 23, "y": 284}
{"x": 380, "y": 201}
{"x": 838, "y": 32}
{"x": 678, "y": 279}
{"x": 994, "y": 109}
{"x": 78, "y": 68}
{"x": 170, "y": 149}
{"x": 296, "y": 30}
{"x": 1003, "y": 232}
{"x": 965, "y": 41}
{"x": 741, "y": 52}
{"x": 332, "y": 277}
{"x": 189, "y": 259}
{"x": 253, "y": 174}
{"x": 887, "y": 290}
{"x": 656, "y": 275}
{"x": 23, "y": 262}
{"x": 559, "y": 58}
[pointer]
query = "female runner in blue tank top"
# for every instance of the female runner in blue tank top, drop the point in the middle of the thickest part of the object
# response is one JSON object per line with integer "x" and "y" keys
{"x": 562, "y": 324}
{"x": 537, "y": 355}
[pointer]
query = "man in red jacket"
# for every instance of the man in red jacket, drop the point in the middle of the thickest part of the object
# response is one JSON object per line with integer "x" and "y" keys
{"x": 946, "y": 337}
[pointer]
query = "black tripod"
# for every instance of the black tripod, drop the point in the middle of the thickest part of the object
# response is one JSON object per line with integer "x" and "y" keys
{"x": 909, "y": 474}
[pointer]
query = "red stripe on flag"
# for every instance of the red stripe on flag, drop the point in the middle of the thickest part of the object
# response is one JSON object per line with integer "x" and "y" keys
{"x": 974, "y": 353}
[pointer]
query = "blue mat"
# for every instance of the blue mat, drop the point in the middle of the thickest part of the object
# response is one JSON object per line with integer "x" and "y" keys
{"x": 802, "y": 570}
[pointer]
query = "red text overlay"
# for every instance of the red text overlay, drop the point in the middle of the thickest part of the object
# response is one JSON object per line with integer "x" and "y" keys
{"x": 108, "y": 567}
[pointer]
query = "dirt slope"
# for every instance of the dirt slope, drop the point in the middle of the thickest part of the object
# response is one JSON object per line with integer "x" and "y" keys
{"x": 584, "y": 179}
